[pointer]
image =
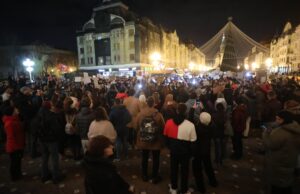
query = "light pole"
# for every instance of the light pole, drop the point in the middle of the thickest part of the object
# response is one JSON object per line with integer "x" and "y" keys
{"x": 29, "y": 67}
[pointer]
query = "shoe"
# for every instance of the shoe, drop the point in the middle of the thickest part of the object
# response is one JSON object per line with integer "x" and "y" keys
{"x": 59, "y": 179}
{"x": 46, "y": 178}
{"x": 116, "y": 160}
{"x": 172, "y": 191}
{"x": 156, "y": 179}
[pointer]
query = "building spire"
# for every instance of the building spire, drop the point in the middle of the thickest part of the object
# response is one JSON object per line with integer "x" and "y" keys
{"x": 230, "y": 18}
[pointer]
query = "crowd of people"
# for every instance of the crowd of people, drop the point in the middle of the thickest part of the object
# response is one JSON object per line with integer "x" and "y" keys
{"x": 195, "y": 120}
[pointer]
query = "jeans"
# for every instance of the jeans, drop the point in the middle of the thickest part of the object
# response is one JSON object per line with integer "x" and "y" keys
{"x": 219, "y": 150}
{"x": 237, "y": 144}
{"x": 15, "y": 164}
{"x": 50, "y": 149}
{"x": 121, "y": 145}
{"x": 145, "y": 157}
{"x": 84, "y": 144}
{"x": 181, "y": 160}
{"x": 198, "y": 163}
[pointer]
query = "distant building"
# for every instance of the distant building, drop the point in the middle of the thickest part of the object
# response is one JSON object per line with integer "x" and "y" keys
{"x": 46, "y": 59}
{"x": 285, "y": 49}
{"x": 116, "y": 39}
{"x": 256, "y": 59}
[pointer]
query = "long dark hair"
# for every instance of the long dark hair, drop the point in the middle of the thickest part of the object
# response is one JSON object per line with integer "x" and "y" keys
{"x": 180, "y": 114}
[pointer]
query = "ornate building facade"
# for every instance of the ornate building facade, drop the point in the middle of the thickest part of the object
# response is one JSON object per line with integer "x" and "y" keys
{"x": 116, "y": 39}
{"x": 285, "y": 49}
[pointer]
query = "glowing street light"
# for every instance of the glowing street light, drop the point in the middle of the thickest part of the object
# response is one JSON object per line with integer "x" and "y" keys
{"x": 156, "y": 59}
{"x": 269, "y": 62}
{"x": 254, "y": 66}
{"x": 192, "y": 65}
{"x": 29, "y": 67}
{"x": 238, "y": 67}
{"x": 246, "y": 66}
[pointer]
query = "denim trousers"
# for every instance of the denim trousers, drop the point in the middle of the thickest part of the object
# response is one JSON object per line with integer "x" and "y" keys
{"x": 121, "y": 146}
{"x": 50, "y": 149}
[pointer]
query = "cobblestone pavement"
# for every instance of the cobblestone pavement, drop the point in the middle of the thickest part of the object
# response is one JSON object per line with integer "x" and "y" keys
{"x": 235, "y": 177}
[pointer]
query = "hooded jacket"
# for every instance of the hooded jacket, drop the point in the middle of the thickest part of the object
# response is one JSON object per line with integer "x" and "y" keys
{"x": 120, "y": 117}
{"x": 14, "y": 133}
{"x": 179, "y": 136}
{"x": 282, "y": 146}
{"x": 83, "y": 120}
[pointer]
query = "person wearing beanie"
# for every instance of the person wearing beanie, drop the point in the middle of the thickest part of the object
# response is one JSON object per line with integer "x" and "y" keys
{"x": 101, "y": 175}
{"x": 282, "y": 148}
{"x": 201, "y": 152}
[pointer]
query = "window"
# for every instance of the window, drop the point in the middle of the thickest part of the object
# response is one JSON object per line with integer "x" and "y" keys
{"x": 100, "y": 60}
{"x": 89, "y": 49}
{"x": 115, "y": 58}
{"x": 108, "y": 60}
{"x": 81, "y": 40}
{"x": 90, "y": 60}
{"x": 118, "y": 46}
{"x": 131, "y": 32}
{"x": 118, "y": 58}
{"x": 81, "y": 50}
{"x": 131, "y": 45}
{"x": 82, "y": 61}
{"x": 132, "y": 57}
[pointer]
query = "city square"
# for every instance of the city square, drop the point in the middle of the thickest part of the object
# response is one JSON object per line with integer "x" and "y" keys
{"x": 127, "y": 96}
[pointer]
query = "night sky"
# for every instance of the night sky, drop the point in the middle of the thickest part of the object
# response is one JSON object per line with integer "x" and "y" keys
{"x": 54, "y": 22}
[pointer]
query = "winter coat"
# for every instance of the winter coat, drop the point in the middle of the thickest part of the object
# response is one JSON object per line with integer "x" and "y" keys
{"x": 282, "y": 149}
{"x": 101, "y": 177}
{"x": 104, "y": 128}
{"x": 228, "y": 95}
{"x": 120, "y": 117}
{"x": 201, "y": 147}
{"x": 179, "y": 137}
{"x": 219, "y": 119}
{"x": 158, "y": 144}
{"x": 14, "y": 132}
{"x": 272, "y": 107}
{"x": 51, "y": 126}
{"x": 132, "y": 105}
{"x": 239, "y": 117}
{"x": 83, "y": 119}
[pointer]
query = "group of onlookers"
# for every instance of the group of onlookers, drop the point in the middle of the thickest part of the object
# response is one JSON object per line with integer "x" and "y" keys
{"x": 100, "y": 126}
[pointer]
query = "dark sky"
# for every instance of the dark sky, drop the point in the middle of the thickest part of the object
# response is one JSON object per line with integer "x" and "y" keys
{"x": 54, "y": 22}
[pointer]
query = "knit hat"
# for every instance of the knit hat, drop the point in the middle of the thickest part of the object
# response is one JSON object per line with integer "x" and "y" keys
{"x": 205, "y": 118}
{"x": 142, "y": 98}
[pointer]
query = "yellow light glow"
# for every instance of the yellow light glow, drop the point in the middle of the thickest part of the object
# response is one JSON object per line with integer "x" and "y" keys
{"x": 246, "y": 66}
{"x": 155, "y": 56}
{"x": 269, "y": 62}
{"x": 192, "y": 65}
{"x": 71, "y": 69}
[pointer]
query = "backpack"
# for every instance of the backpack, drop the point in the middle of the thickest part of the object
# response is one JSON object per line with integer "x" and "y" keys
{"x": 149, "y": 129}
{"x": 69, "y": 127}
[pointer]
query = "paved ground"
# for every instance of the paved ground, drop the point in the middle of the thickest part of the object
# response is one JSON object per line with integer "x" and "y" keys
{"x": 235, "y": 177}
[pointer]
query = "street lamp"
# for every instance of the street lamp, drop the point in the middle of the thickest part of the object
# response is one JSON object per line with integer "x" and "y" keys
{"x": 156, "y": 59}
{"x": 269, "y": 62}
{"x": 29, "y": 67}
{"x": 246, "y": 66}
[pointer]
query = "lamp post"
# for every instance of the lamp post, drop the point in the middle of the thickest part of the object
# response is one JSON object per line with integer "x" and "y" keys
{"x": 156, "y": 60}
{"x": 29, "y": 67}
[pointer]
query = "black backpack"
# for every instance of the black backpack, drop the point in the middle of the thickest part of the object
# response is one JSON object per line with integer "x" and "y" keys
{"x": 149, "y": 129}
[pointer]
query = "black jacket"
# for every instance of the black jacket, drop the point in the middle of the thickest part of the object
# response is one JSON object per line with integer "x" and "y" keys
{"x": 201, "y": 147}
{"x": 120, "y": 117}
{"x": 102, "y": 177}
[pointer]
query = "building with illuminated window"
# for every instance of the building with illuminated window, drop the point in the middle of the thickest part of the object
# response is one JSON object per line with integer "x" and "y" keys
{"x": 285, "y": 49}
{"x": 116, "y": 39}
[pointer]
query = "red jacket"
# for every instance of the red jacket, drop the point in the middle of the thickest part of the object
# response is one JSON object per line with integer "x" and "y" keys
{"x": 14, "y": 133}
{"x": 239, "y": 117}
